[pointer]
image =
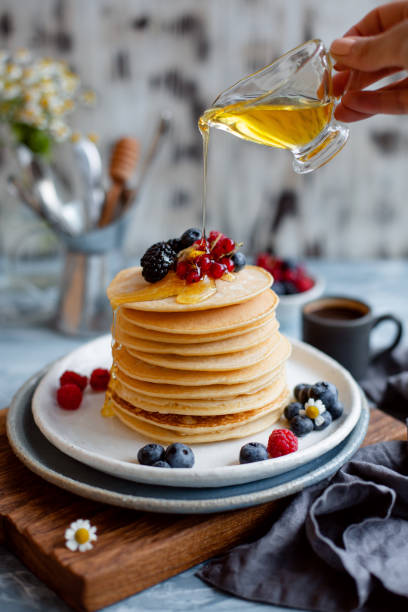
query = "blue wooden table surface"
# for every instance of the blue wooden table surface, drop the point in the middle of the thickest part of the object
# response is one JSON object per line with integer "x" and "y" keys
{"x": 24, "y": 350}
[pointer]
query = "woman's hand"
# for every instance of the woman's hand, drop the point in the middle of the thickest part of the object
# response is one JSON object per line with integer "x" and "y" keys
{"x": 375, "y": 47}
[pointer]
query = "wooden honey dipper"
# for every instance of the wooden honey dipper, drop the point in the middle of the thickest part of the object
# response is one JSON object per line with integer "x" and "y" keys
{"x": 123, "y": 162}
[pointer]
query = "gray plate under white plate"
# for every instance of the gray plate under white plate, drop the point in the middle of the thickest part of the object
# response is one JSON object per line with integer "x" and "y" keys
{"x": 34, "y": 450}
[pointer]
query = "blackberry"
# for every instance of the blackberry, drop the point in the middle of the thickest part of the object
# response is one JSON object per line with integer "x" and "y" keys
{"x": 175, "y": 244}
{"x": 157, "y": 261}
{"x": 189, "y": 236}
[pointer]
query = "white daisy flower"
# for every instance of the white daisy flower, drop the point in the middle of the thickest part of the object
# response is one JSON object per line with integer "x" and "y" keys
{"x": 314, "y": 409}
{"x": 11, "y": 90}
{"x": 59, "y": 130}
{"x": 14, "y": 72}
{"x": 79, "y": 535}
{"x": 29, "y": 77}
{"x": 32, "y": 115}
{"x": 70, "y": 82}
{"x": 51, "y": 103}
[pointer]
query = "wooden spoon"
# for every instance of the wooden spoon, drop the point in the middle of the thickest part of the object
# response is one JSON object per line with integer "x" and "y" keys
{"x": 123, "y": 162}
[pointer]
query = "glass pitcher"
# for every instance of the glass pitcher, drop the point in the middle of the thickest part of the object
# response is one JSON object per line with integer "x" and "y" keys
{"x": 288, "y": 104}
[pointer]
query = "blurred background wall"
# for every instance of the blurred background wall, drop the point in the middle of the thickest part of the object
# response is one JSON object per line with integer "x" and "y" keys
{"x": 146, "y": 56}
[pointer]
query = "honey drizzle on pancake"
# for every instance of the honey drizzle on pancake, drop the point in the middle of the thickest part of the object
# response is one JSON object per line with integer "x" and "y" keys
{"x": 171, "y": 286}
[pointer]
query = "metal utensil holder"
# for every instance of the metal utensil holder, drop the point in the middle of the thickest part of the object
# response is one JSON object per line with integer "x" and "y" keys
{"x": 91, "y": 260}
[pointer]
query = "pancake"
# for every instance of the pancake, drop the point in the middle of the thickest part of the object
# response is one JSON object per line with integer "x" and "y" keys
{"x": 140, "y": 370}
{"x": 230, "y": 345}
{"x": 197, "y": 372}
{"x": 161, "y": 434}
{"x": 212, "y": 363}
{"x": 206, "y": 322}
{"x": 250, "y": 282}
{"x": 238, "y": 403}
{"x": 150, "y": 335}
{"x": 188, "y": 424}
{"x": 214, "y": 392}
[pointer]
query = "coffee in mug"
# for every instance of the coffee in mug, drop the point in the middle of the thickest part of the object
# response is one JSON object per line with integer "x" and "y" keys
{"x": 341, "y": 327}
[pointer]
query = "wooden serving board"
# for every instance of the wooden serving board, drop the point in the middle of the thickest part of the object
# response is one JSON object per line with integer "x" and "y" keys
{"x": 134, "y": 550}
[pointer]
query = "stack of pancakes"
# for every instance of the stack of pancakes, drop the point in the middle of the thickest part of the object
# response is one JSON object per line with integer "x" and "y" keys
{"x": 198, "y": 372}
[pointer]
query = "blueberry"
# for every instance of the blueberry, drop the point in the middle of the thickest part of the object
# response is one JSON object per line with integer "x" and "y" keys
{"x": 327, "y": 419}
{"x": 179, "y": 456}
{"x": 279, "y": 288}
{"x": 150, "y": 453}
{"x": 301, "y": 425}
{"x": 253, "y": 451}
{"x": 326, "y": 392}
{"x": 336, "y": 410}
{"x": 239, "y": 261}
{"x": 189, "y": 236}
{"x": 301, "y": 392}
{"x": 163, "y": 464}
{"x": 290, "y": 288}
{"x": 292, "y": 410}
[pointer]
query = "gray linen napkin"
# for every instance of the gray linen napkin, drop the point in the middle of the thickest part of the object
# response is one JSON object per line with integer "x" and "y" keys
{"x": 386, "y": 383}
{"x": 340, "y": 545}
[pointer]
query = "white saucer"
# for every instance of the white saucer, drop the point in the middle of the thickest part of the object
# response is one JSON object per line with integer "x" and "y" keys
{"x": 109, "y": 446}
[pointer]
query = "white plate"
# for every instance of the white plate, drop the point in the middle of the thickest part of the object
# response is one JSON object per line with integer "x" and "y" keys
{"x": 109, "y": 446}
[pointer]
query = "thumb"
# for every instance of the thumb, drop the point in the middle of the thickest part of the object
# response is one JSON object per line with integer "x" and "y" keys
{"x": 371, "y": 53}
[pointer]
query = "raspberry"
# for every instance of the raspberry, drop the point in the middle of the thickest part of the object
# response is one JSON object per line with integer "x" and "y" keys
{"x": 264, "y": 260}
{"x": 99, "y": 379}
{"x": 69, "y": 396}
{"x": 217, "y": 270}
{"x": 304, "y": 284}
{"x": 290, "y": 275}
{"x": 282, "y": 442}
{"x": 277, "y": 274}
{"x": 228, "y": 263}
{"x": 73, "y": 377}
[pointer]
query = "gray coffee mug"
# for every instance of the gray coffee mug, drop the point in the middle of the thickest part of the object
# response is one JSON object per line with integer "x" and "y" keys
{"x": 341, "y": 327}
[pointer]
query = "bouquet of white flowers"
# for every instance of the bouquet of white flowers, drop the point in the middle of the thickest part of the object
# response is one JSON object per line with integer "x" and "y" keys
{"x": 37, "y": 97}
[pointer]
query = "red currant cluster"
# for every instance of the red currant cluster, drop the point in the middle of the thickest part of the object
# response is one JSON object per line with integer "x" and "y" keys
{"x": 289, "y": 276}
{"x": 213, "y": 256}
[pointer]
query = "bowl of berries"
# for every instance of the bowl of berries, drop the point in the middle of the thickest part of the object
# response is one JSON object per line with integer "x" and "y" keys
{"x": 293, "y": 283}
